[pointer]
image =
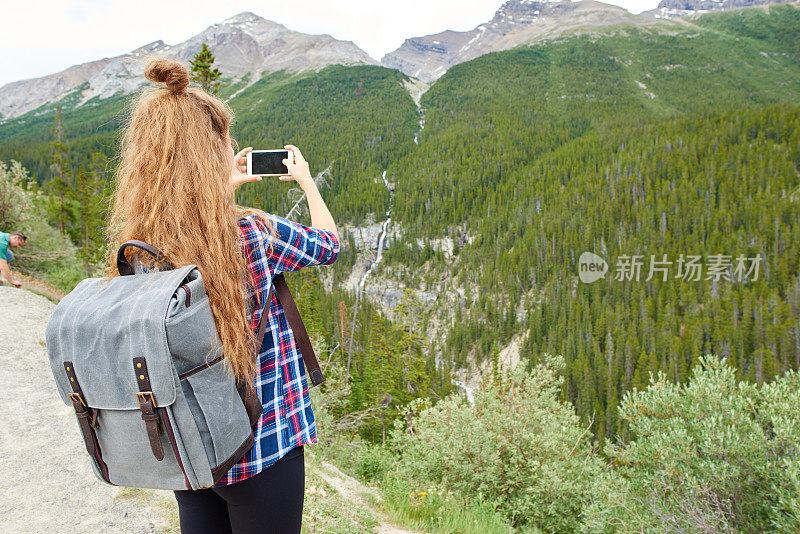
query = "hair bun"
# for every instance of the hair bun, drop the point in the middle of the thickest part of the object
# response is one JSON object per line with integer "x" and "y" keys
{"x": 173, "y": 73}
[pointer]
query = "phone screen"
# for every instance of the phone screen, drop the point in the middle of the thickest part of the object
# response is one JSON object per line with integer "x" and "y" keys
{"x": 269, "y": 162}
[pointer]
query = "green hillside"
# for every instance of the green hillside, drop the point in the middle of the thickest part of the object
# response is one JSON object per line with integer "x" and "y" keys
{"x": 639, "y": 144}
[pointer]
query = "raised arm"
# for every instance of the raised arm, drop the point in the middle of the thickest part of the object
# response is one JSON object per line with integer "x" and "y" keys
{"x": 296, "y": 245}
{"x": 320, "y": 215}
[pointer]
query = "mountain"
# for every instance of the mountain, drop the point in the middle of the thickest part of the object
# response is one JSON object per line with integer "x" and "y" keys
{"x": 521, "y": 21}
{"x": 242, "y": 44}
{"x": 515, "y": 22}
{"x": 678, "y": 8}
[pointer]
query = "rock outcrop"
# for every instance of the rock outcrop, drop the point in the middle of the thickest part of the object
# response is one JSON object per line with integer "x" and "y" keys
{"x": 677, "y": 8}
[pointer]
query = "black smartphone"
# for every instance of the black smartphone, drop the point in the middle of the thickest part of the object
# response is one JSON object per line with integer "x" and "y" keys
{"x": 268, "y": 162}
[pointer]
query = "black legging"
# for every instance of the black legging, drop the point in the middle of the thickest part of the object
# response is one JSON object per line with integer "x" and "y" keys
{"x": 269, "y": 502}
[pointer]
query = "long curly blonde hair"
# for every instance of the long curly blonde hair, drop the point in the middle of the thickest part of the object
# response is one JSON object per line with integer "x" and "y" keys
{"x": 173, "y": 191}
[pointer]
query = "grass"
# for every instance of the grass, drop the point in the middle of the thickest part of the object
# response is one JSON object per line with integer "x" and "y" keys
{"x": 422, "y": 509}
{"x": 326, "y": 510}
{"x": 438, "y": 511}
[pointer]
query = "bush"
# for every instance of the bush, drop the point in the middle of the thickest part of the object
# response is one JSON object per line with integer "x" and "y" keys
{"x": 708, "y": 456}
{"x": 518, "y": 449}
{"x": 373, "y": 462}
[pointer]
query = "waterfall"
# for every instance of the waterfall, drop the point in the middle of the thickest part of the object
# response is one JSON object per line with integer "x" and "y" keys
{"x": 381, "y": 237}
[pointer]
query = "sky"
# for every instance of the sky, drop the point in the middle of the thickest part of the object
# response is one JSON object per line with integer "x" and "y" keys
{"x": 46, "y": 36}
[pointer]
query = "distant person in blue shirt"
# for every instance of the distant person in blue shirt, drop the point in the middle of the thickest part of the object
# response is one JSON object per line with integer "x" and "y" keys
{"x": 7, "y": 241}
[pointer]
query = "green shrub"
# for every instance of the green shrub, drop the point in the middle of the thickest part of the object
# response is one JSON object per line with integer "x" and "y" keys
{"x": 710, "y": 455}
{"x": 518, "y": 449}
{"x": 373, "y": 462}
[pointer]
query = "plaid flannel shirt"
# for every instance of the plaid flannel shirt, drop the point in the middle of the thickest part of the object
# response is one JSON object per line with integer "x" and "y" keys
{"x": 281, "y": 382}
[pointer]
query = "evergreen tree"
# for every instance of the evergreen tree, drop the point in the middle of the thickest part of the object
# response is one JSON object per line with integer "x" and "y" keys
{"x": 204, "y": 72}
{"x": 60, "y": 183}
{"x": 89, "y": 192}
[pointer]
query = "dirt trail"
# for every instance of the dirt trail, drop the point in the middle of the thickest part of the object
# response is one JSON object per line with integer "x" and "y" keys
{"x": 352, "y": 490}
{"x": 48, "y": 484}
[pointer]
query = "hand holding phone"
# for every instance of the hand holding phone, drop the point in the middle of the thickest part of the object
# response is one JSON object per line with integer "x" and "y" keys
{"x": 298, "y": 168}
{"x": 269, "y": 162}
{"x": 239, "y": 174}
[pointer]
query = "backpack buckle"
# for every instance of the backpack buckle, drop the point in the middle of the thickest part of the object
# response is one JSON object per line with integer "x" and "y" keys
{"x": 93, "y": 419}
{"x": 147, "y": 396}
{"x": 89, "y": 413}
{"x": 77, "y": 397}
{"x": 142, "y": 396}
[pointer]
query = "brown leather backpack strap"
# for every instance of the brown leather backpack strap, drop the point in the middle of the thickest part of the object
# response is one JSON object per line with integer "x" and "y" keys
{"x": 147, "y": 404}
{"x": 299, "y": 329}
{"x": 123, "y": 265}
{"x": 82, "y": 411}
{"x": 87, "y": 420}
{"x": 251, "y": 401}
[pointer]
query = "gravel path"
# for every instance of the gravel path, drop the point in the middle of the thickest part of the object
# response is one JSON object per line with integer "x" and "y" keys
{"x": 47, "y": 481}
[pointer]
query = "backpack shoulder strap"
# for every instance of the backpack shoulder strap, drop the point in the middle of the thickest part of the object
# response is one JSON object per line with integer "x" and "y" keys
{"x": 299, "y": 329}
{"x": 247, "y": 392}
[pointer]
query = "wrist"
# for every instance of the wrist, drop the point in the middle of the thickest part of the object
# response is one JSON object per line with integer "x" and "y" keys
{"x": 307, "y": 184}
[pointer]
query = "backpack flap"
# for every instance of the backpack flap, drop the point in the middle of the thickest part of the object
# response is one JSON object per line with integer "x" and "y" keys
{"x": 103, "y": 325}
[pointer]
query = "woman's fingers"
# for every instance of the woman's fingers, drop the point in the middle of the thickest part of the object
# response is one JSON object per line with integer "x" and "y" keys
{"x": 240, "y": 159}
{"x": 290, "y": 167}
{"x": 298, "y": 156}
{"x": 240, "y": 156}
{"x": 248, "y": 178}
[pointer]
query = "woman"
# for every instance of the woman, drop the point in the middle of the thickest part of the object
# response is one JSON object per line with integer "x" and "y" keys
{"x": 175, "y": 190}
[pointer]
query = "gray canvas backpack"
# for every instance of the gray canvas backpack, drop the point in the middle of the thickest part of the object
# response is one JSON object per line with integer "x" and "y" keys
{"x": 139, "y": 359}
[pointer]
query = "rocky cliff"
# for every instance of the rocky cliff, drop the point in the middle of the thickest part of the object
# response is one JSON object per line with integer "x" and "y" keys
{"x": 678, "y": 8}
